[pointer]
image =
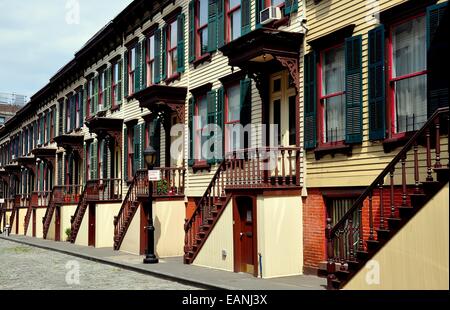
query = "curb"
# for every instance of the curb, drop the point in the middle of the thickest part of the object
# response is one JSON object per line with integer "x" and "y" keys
{"x": 156, "y": 274}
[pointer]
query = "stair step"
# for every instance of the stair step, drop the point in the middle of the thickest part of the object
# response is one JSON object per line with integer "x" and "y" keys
{"x": 405, "y": 212}
{"x": 336, "y": 284}
{"x": 342, "y": 275}
{"x": 430, "y": 187}
{"x": 353, "y": 265}
{"x": 442, "y": 174}
{"x": 394, "y": 222}
{"x": 383, "y": 234}
{"x": 362, "y": 255}
{"x": 372, "y": 244}
{"x": 417, "y": 199}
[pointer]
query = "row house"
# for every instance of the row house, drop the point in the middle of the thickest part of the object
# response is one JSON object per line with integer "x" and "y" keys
{"x": 310, "y": 101}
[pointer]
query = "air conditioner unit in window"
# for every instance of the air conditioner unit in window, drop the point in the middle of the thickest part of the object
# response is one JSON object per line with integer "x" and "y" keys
{"x": 270, "y": 14}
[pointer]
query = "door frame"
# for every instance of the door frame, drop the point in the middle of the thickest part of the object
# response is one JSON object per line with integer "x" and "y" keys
{"x": 91, "y": 219}
{"x": 142, "y": 230}
{"x": 236, "y": 236}
{"x": 57, "y": 223}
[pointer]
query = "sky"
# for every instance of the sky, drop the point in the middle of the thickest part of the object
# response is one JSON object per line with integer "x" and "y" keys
{"x": 37, "y": 38}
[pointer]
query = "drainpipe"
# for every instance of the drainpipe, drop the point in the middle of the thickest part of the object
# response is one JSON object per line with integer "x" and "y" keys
{"x": 260, "y": 265}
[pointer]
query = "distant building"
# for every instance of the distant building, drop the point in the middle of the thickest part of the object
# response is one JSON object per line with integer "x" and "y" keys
{"x": 7, "y": 111}
{"x": 10, "y": 103}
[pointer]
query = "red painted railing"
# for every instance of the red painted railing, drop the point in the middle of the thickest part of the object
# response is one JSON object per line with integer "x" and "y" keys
{"x": 76, "y": 219}
{"x": 104, "y": 190}
{"x": 383, "y": 202}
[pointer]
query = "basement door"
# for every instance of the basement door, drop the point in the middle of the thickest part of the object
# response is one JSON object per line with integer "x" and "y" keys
{"x": 245, "y": 235}
{"x": 34, "y": 222}
{"x": 91, "y": 228}
{"x": 58, "y": 224}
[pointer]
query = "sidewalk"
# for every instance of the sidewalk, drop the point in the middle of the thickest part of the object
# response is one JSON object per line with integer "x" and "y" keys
{"x": 174, "y": 269}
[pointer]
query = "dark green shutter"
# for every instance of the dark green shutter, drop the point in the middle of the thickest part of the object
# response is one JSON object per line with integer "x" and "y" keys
{"x": 137, "y": 147}
{"x": 137, "y": 70}
{"x": 157, "y": 73}
{"x": 220, "y": 23}
{"x": 245, "y": 17}
{"x": 287, "y": 7}
{"x": 49, "y": 126}
{"x": 82, "y": 100}
{"x": 125, "y": 74}
{"x": 259, "y": 7}
{"x": 125, "y": 154}
{"x": 155, "y": 138}
{"x": 94, "y": 108}
{"x": 191, "y": 30}
{"x": 211, "y": 112}
{"x": 180, "y": 44}
{"x": 164, "y": 53}
{"x": 310, "y": 102}
{"x": 294, "y": 7}
{"x": 220, "y": 122}
{"x": 94, "y": 160}
{"x": 246, "y": 108}
{"x": 119, "y": 83}
{"x": 73, "y": 112}
{"x": 377, "y": 100}
{"x": 141, "y": 146}
{"x": 437, "y": 58}
{"x": 212, "y": 26}
{"x": 108, "y": 94}
{"x": 191, "y": 131}
{"x": 353, "y": 89}
{"x": 144, "y": 64}
{"x": 42, "y": 130}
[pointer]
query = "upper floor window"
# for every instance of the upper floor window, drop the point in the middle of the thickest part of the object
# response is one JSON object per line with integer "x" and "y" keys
{"x": 408, "y": 76}
{"x": 90, "y": 96}
{"x": 201, "y": 27}
{"x": 172, "y": 42}
{"x": 232, "y": 116}
{"x": 150, "y": 59}
{"x": 233, "y": 20}
{"x": 201, "y": 116}
{"x": 332, "y": 94}
{"x": 116, "y": 87}
{"x": 131, "y": 68}
{"x": 2, "y": 120}
{"x": 101, "y": 90}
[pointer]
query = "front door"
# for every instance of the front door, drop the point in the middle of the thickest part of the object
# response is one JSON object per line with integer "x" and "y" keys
{"x": 283, "y": 109}
{"x": 58, "y": 224}
{"x": 244, "y": 236}
{"x": 91, "y": 222}
{"x": 34, "y": 222}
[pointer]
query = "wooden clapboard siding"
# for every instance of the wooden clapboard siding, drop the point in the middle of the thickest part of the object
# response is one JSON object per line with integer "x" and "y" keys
{"x": 369, "y": 158}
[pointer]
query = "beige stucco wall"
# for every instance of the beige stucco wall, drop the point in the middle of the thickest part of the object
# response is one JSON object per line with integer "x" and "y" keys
{"x": 280, "y": 235}
{"x": 30, "y": 226}
{"x": 221, "y": 238}
{"x": 40, "y": 213}
{"x": 417, "y": 257}
{"x": 66, "y": 213}
{"x": 21, "y": 217}
{"x": 51, "y": 229}
{"x": 82, "y": 236}
{"x": 131, "y": 241}
{"x": 104, "y": 224}
{"x": 168, "y": 218}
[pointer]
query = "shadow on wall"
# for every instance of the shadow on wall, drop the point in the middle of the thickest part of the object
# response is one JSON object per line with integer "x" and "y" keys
{"x": 158, "y": 227}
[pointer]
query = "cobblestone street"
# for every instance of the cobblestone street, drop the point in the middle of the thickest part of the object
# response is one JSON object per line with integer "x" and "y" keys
{"x": 28, "y": 268}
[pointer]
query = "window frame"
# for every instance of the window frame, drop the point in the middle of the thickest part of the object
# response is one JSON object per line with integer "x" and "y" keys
{"x": 391, "y": 81}
{"x": 89, "y": 95}
{"x": 150, "y": 62}
{"x": 227, "y": 122}
{"x": 198, "y": 137}
{"x": 130, "y": 155}
{"x": 171, "y": 72}
{"x": 113, "y": 82}
{"x": 199, "y": 29}
{"x": 101, "y": 88}
{"x": 321, "y": 98}
{"x": 228, "y": 12}
{"x": 131, "y": 73}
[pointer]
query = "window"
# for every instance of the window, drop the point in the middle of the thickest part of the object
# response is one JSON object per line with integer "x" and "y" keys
{"x": 332, "y": 95}
{"x": 90, "y": 96}
{"x": 131, "y": 166}
{"x": 101, "y": 88}
{"x": 131, "y": 69}
{"x": 116, "y": 83}
{"x": 202, "y": 27}
{"x": 201, "y": 114}
{"x": 232, "y": 116}
{"x": 2, "y": 120}
{"x": 52, "y": 123}
{"x": 89, "y": 161}
{"x": 150, "y": 59}
{"x": 172, "y": 41}
{"x": 78, "y": 121}
{"x": 233, "y": 20}
{"x": 408, "y": 76}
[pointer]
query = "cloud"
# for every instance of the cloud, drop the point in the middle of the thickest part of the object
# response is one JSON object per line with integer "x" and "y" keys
{"x": 36, "y": 40}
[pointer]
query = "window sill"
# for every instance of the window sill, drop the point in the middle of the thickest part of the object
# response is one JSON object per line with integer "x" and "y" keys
{"x": 77, "y": 129}
{"x": 101, "y": 113}
{"x": 391, "y": 144}
{"x": 332, "y": 150}
{"x": 200, "y": 167}
{"x": 115, "y": 108}
{"x": 202, "y": 59}
{"x": 174, "y": 77}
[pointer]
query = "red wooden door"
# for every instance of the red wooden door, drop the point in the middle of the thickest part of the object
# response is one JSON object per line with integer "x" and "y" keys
{"x": 57, "y": 224}
{"x": 245, "y": 239}
{"x": 91, "y": 229}
{"x": 144, "y": 232}
{"x": 34, "y": 223}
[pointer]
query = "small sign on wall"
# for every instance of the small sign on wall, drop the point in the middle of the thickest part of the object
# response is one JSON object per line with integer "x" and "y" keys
{"x": 154, "y": 175}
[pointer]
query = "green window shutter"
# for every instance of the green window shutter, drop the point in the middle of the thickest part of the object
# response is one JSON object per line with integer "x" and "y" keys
{"x": 220, "y": 23}
{"x": 377, "y": 116}
{"x": 141, "y": 146}
{"x": 219, "y": 154}
{"x": 191, "y": 131}
{"x": 125, "y": 75}
{"x": 211, "y": 108}
{"x": 137, "y": 148}
{"x": 49, "y": 125}
{"x": 82, "y": 100}
{"x": 157, "y": 73}
{"x": 41, "y": 177}
{"x": 287, "y": 7}
{"x": 246, "y": 107}
{"x": 191, "y": 30}
{"x": 144, "y": 64}
{"x": 137, "y": 70}
{"x": 245, "y": 15}
{"x": 119, "y": 83}
{"x": 259, "y": 7}
{"x": 94, "y": 161}
{"x": 108, "y": 96}
{"x": 353, "y": 89}
{"x": 164, "y": 53}
{"x": 125, "y": 154}
{"x": 437, "y": 77}
{"x": 294, "y": 7}
{"x": 41, "y": 140}
{"x": 73, "y": 112}
{"x": 310, "y": 102}
{"x": 435, "y": 15}
{"x": 180, "y": 44}
{"x": 94, "y": 107}
{"x": 155, "y": 139}
{"x": 212, "y": 26}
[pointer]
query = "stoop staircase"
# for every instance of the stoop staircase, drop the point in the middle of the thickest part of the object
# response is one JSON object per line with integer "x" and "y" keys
{"x": 83, "y": 203}
{"x": 408, "y": 182}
